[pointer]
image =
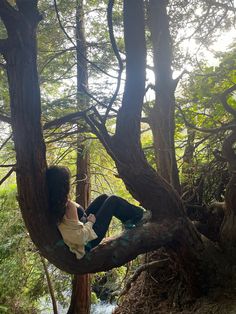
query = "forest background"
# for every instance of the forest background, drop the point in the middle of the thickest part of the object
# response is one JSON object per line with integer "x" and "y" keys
{"x": 81, "y": 65}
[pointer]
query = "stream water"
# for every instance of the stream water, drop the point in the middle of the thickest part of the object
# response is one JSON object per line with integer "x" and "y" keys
{"x": 98, "y": 308}
{"x": 102, "y": 308}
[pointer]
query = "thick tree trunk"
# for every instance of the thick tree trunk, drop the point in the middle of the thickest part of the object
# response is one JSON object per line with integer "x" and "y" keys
{"x": 228, "y": 228}
{"x": 161, "y": 118}
{"x": 24, "y": 91}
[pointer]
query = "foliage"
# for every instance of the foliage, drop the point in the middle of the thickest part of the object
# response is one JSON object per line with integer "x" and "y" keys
{"x": 22, "y": 279}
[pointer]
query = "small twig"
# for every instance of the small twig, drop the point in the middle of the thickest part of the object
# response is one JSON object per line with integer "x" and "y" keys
{"x": 96, "y": 100}
{"x": 227, "y": 126}
{"x": 5, "y": 118}
{"x": 8, "y": 166}
{"x": 7, "y": 175}
{"x": 5, "y": 142}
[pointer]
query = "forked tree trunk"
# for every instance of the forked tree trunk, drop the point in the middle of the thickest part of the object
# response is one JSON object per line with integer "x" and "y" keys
{"x": 198, "y": 259}
{"x": 143, "y": 182}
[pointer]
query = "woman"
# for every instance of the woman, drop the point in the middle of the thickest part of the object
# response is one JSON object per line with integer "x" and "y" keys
{"x": 82, "y": 230}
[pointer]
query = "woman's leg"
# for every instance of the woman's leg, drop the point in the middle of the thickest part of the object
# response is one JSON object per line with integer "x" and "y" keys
{"x": 94, "y": 207}
{"x": 103, "y": 219}
{"x": 123, "y": 210}
{"x": 118, "y": 207}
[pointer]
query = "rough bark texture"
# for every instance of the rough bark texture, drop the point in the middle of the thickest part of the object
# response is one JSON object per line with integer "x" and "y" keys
{"x": 80, "y": 298}
{"x": 81, "y": 286}
{"x": 161, "y": 118}
{"x": 228, "y": 230}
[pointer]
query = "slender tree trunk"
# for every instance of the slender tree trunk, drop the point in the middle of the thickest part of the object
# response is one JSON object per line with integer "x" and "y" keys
{"x": 50, "y": 287}
{"x": 80, "y": 298}
{"x": 81, "y": 286}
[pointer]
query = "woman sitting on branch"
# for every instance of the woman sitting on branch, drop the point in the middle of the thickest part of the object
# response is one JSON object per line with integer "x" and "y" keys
{"x": 82, "y": 229}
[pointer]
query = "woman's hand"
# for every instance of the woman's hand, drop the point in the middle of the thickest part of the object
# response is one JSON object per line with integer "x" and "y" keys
{"x": 91, "y": 218}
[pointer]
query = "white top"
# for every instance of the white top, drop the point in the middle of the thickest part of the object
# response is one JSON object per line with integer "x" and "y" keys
{"x": 76, "y": 235}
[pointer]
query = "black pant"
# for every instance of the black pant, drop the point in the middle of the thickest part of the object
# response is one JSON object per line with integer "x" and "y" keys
{"x": 104, "y": 208}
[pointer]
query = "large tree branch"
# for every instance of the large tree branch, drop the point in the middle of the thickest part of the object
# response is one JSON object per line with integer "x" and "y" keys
{"x": 9, "y": 16}
{"x": 7, "y": 11}
{"x": 116, "y": 252}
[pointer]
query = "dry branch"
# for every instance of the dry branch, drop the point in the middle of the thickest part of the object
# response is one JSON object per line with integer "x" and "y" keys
{"x": 114, "y": 252}
{"x": 148, "y": 266}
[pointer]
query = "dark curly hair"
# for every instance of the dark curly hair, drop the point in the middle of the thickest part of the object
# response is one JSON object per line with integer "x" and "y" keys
{"x": 58, "y": 183}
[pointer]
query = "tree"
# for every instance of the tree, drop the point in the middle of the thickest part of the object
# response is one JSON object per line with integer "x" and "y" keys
{"x": 198, "y": 259}
{"x": 81, "y": 286}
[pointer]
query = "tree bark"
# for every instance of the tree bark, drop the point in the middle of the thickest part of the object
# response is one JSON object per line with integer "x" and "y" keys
{"x": 228, "y": 229}
{"x": 81, "y": 286}
{"x": 161, "y": 118}
{"x": 21, "y": 58}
